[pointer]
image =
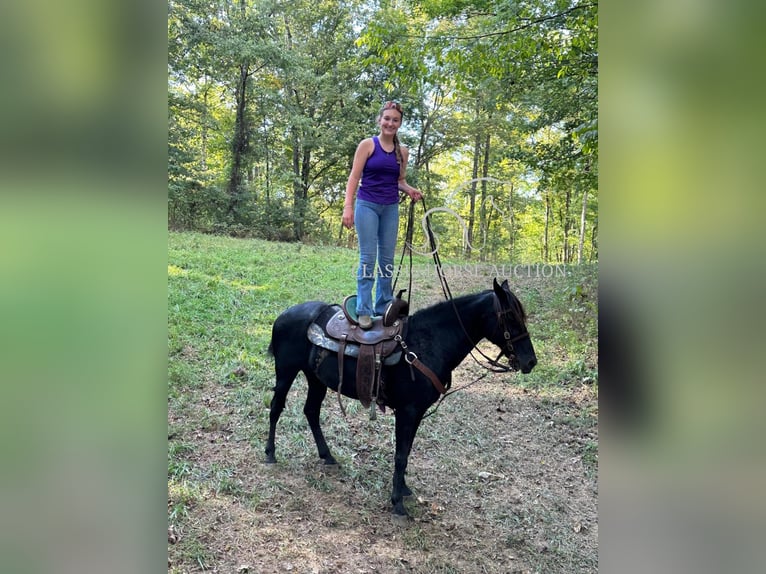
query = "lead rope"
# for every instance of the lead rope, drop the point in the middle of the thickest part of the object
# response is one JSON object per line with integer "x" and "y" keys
{"x": 452, "y": 392}
{"x": 407, "y": 247}
{"x": 496, "y": 366}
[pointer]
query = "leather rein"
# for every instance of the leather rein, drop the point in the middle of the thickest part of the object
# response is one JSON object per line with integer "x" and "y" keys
{"x": 494, "y": 365}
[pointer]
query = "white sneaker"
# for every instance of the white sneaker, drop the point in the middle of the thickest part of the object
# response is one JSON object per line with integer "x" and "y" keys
{"x": 365, "y": 321}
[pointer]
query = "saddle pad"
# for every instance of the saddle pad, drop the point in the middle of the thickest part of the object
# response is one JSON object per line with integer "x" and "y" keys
{"x": 317, "y": 336}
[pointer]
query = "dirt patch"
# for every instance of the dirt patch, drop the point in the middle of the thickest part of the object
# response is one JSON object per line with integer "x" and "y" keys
{"x": 505, "y": 480}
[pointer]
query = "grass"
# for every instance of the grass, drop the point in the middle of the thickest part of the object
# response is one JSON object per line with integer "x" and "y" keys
{"x": 223, "y": 296}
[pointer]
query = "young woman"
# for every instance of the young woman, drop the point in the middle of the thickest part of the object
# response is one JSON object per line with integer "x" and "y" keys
{"x": 380, "y": 162}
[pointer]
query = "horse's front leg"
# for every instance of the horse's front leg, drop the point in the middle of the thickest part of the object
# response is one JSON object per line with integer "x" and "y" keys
{"x": 407, "y": 423}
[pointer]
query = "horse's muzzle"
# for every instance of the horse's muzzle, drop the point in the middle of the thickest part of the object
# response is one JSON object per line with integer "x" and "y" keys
{"x": 528, "y": 366}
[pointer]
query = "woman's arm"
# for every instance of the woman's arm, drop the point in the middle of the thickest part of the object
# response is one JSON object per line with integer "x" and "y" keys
{"x": 363, "y": 151}
{"x": 414, "y": 194}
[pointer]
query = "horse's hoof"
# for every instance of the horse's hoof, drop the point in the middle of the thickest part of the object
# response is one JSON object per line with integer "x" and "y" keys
{"x": 400, "y": 510}
{"x": 400, "y": 519}
{"x": 270, "y": 459}
{"x": 331, "y": 467}
{"x": 330, "y": 461}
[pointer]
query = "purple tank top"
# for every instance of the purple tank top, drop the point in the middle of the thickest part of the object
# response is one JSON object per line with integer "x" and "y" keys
{"x": 380, "y": 177}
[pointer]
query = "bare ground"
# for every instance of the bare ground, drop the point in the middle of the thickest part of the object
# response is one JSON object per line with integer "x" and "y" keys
{"x": 505, "y": 480}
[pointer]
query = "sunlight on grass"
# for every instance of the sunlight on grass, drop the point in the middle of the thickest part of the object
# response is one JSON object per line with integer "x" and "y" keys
{"x": 182, "y": 496}
{"x": 224, "y": 295}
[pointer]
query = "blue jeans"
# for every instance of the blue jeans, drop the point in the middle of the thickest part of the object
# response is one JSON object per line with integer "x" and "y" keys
{"x": 376, "y": 227}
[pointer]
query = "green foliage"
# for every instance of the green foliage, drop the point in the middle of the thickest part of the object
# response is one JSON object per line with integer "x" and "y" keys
{"x": 565, "y": 318}
{"x": 490, "y": 88}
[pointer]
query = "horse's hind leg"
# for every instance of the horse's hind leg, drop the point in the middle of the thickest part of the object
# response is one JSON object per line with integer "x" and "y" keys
{"x": 316, "y": 394}
{"x": 284, "y": 382}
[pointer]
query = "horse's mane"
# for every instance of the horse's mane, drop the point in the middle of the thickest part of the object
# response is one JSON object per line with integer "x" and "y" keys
{"x": 443, "y": 309}
{"x": 447, "y": 305}
{"x": 443, "y": 306}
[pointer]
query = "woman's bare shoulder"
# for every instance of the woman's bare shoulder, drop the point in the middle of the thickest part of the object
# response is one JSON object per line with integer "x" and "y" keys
{"x": 366, "y": 146}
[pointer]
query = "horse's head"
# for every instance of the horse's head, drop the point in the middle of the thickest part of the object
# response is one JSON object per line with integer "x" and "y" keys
{"x": 510, "y": 332}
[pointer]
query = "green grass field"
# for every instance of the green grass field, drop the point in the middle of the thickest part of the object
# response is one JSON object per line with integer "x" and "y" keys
{"x": 223, "y": 296}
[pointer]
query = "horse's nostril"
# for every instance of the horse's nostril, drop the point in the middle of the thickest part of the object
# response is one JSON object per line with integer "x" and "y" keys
{"x": 532, "y": 363}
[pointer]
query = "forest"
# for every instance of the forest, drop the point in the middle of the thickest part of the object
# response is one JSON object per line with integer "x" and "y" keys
{"x": 268, "y": 99}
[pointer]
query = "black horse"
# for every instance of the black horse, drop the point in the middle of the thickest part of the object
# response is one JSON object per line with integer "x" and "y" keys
{"x": 441, "y": 341}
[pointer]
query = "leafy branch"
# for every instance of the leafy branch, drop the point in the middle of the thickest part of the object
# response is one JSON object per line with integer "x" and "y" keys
{"x": 518, "y": 28}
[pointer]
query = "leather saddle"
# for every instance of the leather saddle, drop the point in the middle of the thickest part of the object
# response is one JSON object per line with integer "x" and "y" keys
{"x": 344, "y": 326}
{"x": 375, "y": 347}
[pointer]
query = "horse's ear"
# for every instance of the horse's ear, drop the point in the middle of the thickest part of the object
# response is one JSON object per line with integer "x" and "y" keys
{"x": 501, "y": 291}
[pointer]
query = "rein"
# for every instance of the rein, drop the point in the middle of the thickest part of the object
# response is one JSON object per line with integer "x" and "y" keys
{"x": 407, "y": 248}
{"x": 494, "y": 365}
{"x": 498, "y": 367}
{"x": 452, "y": 392}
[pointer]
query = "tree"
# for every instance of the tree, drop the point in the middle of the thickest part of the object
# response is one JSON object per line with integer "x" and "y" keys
{"x": 268, "y": 99}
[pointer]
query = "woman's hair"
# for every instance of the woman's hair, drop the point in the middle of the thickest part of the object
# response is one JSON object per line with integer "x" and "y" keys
{"x": 391, "y": 105}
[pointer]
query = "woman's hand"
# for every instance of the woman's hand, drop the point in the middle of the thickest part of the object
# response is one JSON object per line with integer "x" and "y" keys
{"x": 348, "y": 216}
{"x": 414, "y": 194}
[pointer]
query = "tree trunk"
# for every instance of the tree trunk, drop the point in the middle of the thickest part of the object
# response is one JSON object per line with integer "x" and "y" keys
{"x": 472, "y": 194}
{"x": 565, "y": 223}
{"x": 297, "y": 187}
{"x": 239, "y": 143}
{"x": 483, "y": 208}
{"x": 304, "y": 193}
{"x": 490, "y": 219}
{"x": 582, "y": 225}
{"x": 267, "y": 161}
{"x": 594, "y": 242}
{"x": 204, "y": 129}
{"x": 512, "y": 222}
{"x": 547, "y": 223}
{"x": 422, "y": 142}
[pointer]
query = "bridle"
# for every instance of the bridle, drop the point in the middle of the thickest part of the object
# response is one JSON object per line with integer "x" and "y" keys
{"x": 508, "y": 351}
{"x": 494, "y": 364}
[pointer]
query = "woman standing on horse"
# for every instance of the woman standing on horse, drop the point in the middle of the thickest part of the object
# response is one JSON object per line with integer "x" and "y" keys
{"x": 380, "y": 162}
